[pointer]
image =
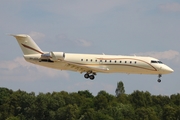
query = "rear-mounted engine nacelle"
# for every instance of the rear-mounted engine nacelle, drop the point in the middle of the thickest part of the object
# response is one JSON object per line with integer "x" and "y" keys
{"x": 56, "y": 56}
{"x": 53, "y": 56}
{"x": 46, "y": 56}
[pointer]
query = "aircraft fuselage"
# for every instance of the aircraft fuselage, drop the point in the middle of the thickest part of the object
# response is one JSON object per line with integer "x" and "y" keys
{"x": 108, "y": 63}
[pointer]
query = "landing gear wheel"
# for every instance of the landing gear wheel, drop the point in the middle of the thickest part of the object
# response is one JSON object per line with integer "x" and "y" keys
{"x": 159, "y": 76}
{"x": 159, "y": 80}
{"x": 91, "y": 77}
{"x": 86, "y": 76}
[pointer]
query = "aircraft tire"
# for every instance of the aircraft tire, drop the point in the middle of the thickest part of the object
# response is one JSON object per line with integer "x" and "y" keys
{"x": 159, "y": 80}
{"x": 86, "y": 76}
{"x": 91, "y": 77}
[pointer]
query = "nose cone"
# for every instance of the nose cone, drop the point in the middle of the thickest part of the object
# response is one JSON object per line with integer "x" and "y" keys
{"x": 170, "y": 70}
{"x": 167, "y": 69}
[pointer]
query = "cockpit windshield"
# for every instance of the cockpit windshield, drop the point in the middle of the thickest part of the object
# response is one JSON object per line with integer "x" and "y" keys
{"x": 153, "y": 61}
{"x": 160, "y": 62}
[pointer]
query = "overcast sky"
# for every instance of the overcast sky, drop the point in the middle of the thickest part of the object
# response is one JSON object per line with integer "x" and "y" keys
{"x": 121, "y": 27}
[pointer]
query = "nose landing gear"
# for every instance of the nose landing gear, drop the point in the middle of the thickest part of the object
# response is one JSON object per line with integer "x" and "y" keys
{"x": 159, "y": 76}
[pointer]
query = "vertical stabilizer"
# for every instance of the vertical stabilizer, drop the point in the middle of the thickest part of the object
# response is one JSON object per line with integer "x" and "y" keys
{"x": 27, "y": 44}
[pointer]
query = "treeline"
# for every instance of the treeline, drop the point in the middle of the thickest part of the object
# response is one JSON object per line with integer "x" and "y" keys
{"x": 82, "y": 105}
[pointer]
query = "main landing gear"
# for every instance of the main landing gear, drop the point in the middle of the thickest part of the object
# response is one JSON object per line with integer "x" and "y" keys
{"x": 87, "y": 75}
{"x": 159, "y": 76}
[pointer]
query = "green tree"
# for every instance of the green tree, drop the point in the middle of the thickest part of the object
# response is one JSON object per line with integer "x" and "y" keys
{"x": 102, "y": 116}
{"x": 178, "y": 113}
{"x": 137, "y": 99}
{"x": 103, "y": 100}
{"x": 145, "y": 114}
{"x": 100, "y": 102}
{"x": 147, "y": 98}
{"x": 123, "y": 98}
{"x": 89, "y": 114}
{"x": 121, "y": 112}
{"x": 169, "y": 113}
{"x": 20, "y": 105}
{"x": 13, "y": 118}
{"x": 69, "y": 112}
{"x": 41, "y": 103}
{"x": 5, "y": 108}
{"x": 175, "y": 99}
{"x": 56, "y": 101}
{"x": 120, "y": 89}
{"x": 86, "y": 94}
{"x": 109, "y": 97}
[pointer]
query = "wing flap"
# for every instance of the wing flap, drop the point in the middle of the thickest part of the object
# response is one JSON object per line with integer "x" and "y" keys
{"x": 86, "y": 68}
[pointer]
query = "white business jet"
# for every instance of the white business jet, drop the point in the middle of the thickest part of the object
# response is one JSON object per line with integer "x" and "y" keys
{"x": 90, "y": 64}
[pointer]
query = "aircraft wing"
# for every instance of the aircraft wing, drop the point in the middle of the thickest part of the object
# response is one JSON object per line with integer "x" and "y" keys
{"x": 86, "y": 68}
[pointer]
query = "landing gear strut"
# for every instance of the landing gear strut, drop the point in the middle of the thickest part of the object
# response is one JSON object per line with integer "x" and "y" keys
{"x": 87, "y": 75}
{"x": 159, "y": 76}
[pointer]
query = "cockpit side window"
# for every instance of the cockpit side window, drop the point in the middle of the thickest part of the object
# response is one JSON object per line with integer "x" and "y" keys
{"x": 153, "y": 61}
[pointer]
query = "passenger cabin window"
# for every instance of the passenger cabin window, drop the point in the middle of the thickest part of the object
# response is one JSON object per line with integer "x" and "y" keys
{"x": 81, "y": 59}
{"x": 91, "y": 60}
{"x": 86, "y": 59}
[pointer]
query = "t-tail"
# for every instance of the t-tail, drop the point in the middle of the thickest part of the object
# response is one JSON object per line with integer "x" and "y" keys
{"x": 27, "y": 44}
